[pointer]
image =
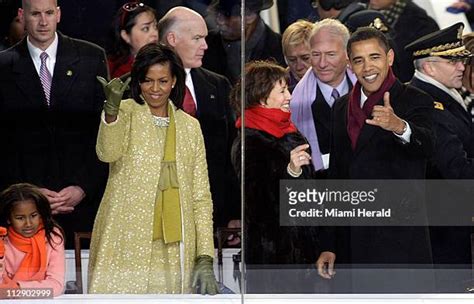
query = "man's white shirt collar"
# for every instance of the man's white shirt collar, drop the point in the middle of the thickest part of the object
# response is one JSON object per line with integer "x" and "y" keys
{"x": 190, "y": 85}
{"x": 35, "y": 53}
{"x": 326, "y": 89}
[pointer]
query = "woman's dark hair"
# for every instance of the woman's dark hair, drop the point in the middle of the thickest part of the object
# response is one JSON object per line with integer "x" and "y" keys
{"x": 125, "y": 19}
{"x": 157, "y": 53}
{"x": 260, "y": 78}
{"x": 24, "y": 192}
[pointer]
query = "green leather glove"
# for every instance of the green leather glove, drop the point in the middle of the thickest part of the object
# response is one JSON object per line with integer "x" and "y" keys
{"x": 203, "y": 277}
{"x": 113, "y": 91}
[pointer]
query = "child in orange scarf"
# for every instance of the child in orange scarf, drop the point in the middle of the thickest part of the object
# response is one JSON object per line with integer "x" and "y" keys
{"x": 32, "y": 253}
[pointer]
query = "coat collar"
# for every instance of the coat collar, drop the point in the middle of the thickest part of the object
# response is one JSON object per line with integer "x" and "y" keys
{"x": 205, "y": 92}
{"x": 65, "y": 71}
{"x": 66, "y": 68}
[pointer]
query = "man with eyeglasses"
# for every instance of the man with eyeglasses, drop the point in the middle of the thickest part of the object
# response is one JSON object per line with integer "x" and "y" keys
{"x": 440, "y": 59}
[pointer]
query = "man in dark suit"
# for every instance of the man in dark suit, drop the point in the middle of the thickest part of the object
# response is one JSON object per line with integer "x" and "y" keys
{"x": 207, "y": 98}
{"x": 261, "y": 42}
{"x": 440, "y": 60}
{"x": 381, "y": 130}
{"x": 50, "y": 103}
{"x": 318, "y": 90}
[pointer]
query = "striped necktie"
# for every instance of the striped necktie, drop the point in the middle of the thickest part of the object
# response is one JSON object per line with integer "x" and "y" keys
{"x": 334, "y": 96}
{"x": 45, "y": 77}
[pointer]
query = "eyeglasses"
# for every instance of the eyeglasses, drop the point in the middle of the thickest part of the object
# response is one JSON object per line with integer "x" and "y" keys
{"x": 127, "y": 8}
{"x": 453, "y": 61}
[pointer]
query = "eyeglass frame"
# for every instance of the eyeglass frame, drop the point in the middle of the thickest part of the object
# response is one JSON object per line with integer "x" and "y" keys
{"x": 453, "y": 61}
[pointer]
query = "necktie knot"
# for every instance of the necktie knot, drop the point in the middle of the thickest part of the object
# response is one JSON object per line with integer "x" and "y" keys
{"x": 335, "y": 94}
{"x": 43, "y": 57}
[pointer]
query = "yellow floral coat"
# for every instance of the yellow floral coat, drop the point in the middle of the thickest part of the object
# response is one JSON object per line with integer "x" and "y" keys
{"x": 121, "y": 242}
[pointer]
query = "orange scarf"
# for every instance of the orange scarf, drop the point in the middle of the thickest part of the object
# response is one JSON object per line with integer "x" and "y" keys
{"x": 33, "y": 266}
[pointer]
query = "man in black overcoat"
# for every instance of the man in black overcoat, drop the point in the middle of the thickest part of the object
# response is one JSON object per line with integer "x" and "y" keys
{"x": 49, "y": 127}
{"x": 381, "y": 130}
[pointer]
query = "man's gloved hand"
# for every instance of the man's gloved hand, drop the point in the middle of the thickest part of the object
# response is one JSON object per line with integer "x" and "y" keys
{"x": 203, "y": 277}
{"x": 113, "y": 91}
{"x": 3, "y": 233}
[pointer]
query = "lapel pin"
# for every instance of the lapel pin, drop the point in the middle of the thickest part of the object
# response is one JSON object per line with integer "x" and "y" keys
{"x": 69, "y": 73}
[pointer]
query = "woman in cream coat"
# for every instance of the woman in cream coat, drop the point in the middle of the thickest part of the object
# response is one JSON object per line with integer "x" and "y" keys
{"x": 140, "y": 242}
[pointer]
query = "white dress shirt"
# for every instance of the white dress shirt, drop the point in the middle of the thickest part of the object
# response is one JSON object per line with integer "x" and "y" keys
{"x": 190, "y": 85}
{"x": 35, "y": 53}
{"x": 326, "y": 90}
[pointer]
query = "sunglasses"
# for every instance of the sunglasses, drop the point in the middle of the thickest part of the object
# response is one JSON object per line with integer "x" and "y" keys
{"x": 127, "y": 8}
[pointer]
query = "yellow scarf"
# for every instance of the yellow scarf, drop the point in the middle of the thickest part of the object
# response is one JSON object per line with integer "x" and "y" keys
{"x": 167, "y": 217}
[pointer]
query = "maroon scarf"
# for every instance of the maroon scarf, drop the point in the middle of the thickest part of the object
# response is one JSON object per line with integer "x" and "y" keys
{"x": 273, "y": 121}
{"x": 355, "y": 115}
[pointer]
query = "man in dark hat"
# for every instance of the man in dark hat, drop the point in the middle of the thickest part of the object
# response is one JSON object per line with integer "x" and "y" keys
{"x": 380, "y": 130}
{"x": 261, "y": 42}
{"x": 439, "y": 60}
{"x": 337, "y": 9}
{"x": 409, "y": 22}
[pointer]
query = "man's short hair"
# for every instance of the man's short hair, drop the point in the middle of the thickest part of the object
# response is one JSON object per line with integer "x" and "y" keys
{"x": 333, "y": 26}
{"x": 166, "y": 25}
{"x": 367, "y": 33}
{"x": 26, "y": 3}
